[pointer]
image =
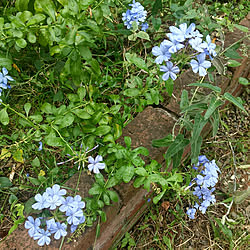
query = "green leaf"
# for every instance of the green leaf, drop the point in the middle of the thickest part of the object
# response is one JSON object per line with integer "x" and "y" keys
{"x": 5, "y": 182}
{"x": 139, "y": 62}
{"x": 176, "y": 177}
{"x": 46, "y": 108}
{"x": 139, "y": 181}
{"x": 106, "y": 199}
{"x": 233, "y": 63}
{"x": 21, "y": 5}
{"x": 127, "y": 141}
{"x": 31, "y": 37}
{"x": 6, "y": 62}
{"x": 178, "y": 144}
{"x": 206, "y": 85}
{"x": 65, "y": 121}
{"x": 46, "y": 6}
{"x": 143, "y": 35}
{"x": 27, "y": 107}
{"x": 243, "y": 81}
{"x": 96, "y": 189}
{"x": 28, "y": 205}
{"x": 81, "y": 92}
{"x": 4, "y": 117}
{"x": 214, "y": 104}
{"x": 141, "y": 151}
{"x": 184, "y": 100}
{"x": 141, "y": 171}
{"x": 215, "y": 121}
{"x": 102, "y": 130}
{"x": 82, "y": 114}
{"x": 53, "y": 141}
{"x": 157, "y": 7}
{"x": 12, "y": 199}
{"x": 164, "y": 142}
{"x": 128, "y": 174}
{"x": 232, "y": 99}
{"x": 195, "y": 149}
{"x": 240, "y": 196}
{"x": 34, "y": 181}
{"x": 156, "y": 23}
{"x": 21, "y": 43}
{"x": 157, "y": 198}
{"x": 18, "y": 155}
{"x": 131, "y": 92}
{"x": 113, "y": 181}
{"x": 113, "y": 195}
{"x": 36, "y": 163}
{"x": 219, "y": 65}
{"x": 232, "y": 53}
{"x": 241, "y": 27}
{"x": 169, "y": 86}
{"x": 38, "y": 18}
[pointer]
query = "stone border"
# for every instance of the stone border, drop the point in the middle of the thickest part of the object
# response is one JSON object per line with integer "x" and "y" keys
{"x": 152, "y": 123}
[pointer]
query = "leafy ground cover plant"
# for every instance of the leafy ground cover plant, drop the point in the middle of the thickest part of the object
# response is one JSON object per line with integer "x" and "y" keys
{"x": 88, "y": 77}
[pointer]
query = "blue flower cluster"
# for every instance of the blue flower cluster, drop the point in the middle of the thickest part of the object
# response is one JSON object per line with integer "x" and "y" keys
{"x": 205, "y": 181}
{"x": 136, "y": 14}
{"x": 53, "y": 198}
{"x": 4, "y": 78}
{"x": 187, "y": 38}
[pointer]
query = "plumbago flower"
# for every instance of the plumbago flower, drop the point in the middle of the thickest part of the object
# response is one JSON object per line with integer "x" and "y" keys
{"x": 188, "y": 39}
{"x": 207, "y": 178}
{"x": 136, "y": 14}
{"x": 53, "y": 199}
{"x": 4, "y": 78}
{"x": 95, "y": 164}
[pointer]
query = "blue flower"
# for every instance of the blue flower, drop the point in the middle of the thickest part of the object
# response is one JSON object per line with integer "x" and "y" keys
{"x": 183, "y": 32}
{"x": 68, "y": 203}
{"x": 74, "y": 216}
{"x": 41, "y": 199}
{"x": 40, "y": 146}
{"x": 51, "y": 225}
{"x": 4, "y": 76}
{"x": 95, "y": 164}
{"x": 43, "y": 237}
{"x": 191, "y": 213}
{"x": 136, "y": 14}
{"x": 53, "y": 201}
{"x": 78, "y": 201}
{"x": 202, "y": 159}
{"x": 173, "y": 44}
{"x": 55, "y": 190}
{"x": 32, "y": 225}
{"x": 210, "y": 47}
{"x": 161, "y": 52}
{"x": 144, "y": 26}
{"x": 201, "y": 65}
{"x": 60, "y": 230}
{"x": 74, "y": 227}
{"x": 197, "y": 192}
{"x": 170, "y": 71}
{"x": 197, "y": 44}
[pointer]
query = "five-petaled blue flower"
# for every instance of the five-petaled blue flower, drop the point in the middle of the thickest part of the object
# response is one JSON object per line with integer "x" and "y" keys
{"x": 4, "y": 76}
{"x": 41, "y": 199}
{"x": 200, "y": 65}
{"x": 95, "y": 164}
{"x": 191, "y": 213}
{"x": 162, "y": 53}
{"x": 32, "y": 225}
{"x": 42, "y": 236}
{"x": 170, "y": 71}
